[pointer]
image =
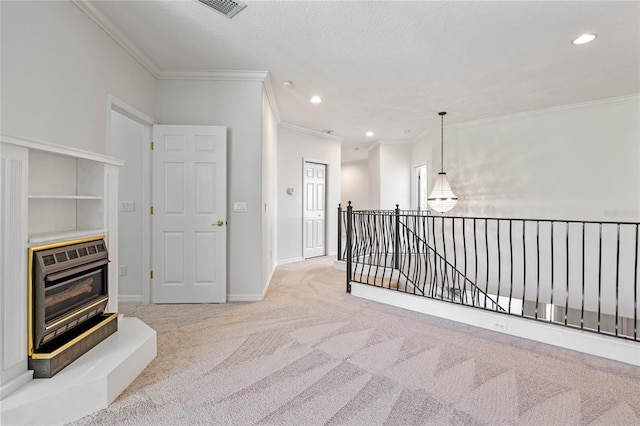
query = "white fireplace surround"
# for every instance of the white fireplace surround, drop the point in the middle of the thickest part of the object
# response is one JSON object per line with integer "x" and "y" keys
{"x": 51, "y": 193}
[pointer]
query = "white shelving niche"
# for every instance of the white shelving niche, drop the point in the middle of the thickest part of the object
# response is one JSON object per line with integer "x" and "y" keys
{"x": 70, "y": 191}
{"x": 66, "y": 196}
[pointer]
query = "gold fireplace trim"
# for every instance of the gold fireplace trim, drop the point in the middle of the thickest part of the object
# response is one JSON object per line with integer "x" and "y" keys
{"x": 30, "y": 281}
{"x": 112, "y": 316}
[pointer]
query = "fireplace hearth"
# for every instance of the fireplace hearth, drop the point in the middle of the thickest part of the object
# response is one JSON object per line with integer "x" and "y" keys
{"x": 68, "y": 295}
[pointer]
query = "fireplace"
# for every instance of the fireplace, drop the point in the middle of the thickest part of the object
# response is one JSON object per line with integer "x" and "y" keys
{"x": 68, "y": 295}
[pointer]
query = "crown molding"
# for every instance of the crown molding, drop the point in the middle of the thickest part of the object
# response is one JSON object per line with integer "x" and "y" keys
{"x": 117, "y": 35}
{"x": 309, "y": 131}
{"x": 535, "y": 112}
{"x": 220, "y": 75}
{"x": 271, "y": 98}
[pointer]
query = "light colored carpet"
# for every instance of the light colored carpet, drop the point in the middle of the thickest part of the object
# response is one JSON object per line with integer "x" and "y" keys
{"x": 310, "y": 354}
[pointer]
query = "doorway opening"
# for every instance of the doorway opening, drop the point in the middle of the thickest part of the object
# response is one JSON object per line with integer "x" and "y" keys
{"x": 129, "y": 139}
{"x": 420, "y": 192}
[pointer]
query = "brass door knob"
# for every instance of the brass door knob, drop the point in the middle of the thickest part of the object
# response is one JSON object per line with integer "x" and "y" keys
{"x": 220, "y": 223}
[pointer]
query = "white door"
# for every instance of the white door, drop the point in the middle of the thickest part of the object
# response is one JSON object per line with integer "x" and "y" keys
{"x": 189, "y": 214}
{"x": 314, "y": 208}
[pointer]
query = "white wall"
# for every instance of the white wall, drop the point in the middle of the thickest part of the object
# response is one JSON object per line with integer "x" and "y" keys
{"x": 269, "y": 196}
{"x": 355, "y": 184}
{"x": 237, "y": 105}
{"x": 374, "y": 177}
{"x": 576, "y": 162}
{"x": 295, "y": 146}
{"x": 390, "y": 175}
{"x": 57, "y": 68}
{"x": 395, "y": 175}
{"x": 127, "y": 143}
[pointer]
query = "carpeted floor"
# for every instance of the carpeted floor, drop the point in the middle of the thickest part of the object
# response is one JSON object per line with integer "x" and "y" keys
{"x": 310, "y": 354}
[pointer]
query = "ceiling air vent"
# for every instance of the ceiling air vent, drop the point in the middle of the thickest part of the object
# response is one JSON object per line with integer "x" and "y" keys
{"x": 228, "y": 8}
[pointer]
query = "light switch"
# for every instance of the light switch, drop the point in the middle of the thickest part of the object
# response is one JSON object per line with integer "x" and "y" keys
{"x": 127, "y": 206}
{"x": 239, "y": 206}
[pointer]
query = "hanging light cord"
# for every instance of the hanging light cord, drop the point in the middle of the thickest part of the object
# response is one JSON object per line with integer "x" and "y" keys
{"x": 441, "y": 114}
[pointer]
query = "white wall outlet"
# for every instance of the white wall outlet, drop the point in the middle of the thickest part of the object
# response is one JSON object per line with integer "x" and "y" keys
{"x": 123, "y": 270}
{"x": 127, "y": 206}
{"x": 500, "y": 326}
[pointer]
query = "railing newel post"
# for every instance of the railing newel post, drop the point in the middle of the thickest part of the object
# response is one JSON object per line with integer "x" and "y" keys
{"x": 396, "y": 247}
{"x": 349, "y": 244}
{"x": 340, "y": 257}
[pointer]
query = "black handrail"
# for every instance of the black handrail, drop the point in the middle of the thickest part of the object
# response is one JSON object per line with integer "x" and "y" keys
{"x": 581, "y": 274}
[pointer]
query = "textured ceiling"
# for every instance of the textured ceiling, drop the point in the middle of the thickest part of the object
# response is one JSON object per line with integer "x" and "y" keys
{"x": 390, "y": 66}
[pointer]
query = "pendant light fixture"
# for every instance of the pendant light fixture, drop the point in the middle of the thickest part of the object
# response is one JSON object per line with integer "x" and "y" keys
{"x": 442, "y": 199}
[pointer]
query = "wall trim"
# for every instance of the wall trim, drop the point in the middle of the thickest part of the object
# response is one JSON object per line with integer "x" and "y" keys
{"x": 577, "y": 340}
{"x": 118, "y": 36}
{"x": 130, "y": 298}
{"x": 266, "y": 287}
{"x": 290, "y": 260}
{"x": 116, "y": 104}
{"x": 122, "y": 107}
{"x": 271, "y": 97}
{"x": 244, "y": 297}
{"x": 16, "y": 383}
{"x": 535, "y": 112}
{"x": 59, "y": 149}
{"x": 220, "y": 75}
{"x": 309, "y": 131}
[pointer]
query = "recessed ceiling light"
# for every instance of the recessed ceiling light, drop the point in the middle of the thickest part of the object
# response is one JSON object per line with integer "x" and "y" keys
{"x": 369, "y": 133}
{"x": 584, "y": 38}
{"x": 315, "y": 99}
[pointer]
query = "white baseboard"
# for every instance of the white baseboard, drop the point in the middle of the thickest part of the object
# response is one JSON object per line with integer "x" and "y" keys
{"x": 130, "y": 298}
{"x": 340, "y": 265}
{"x": 266, "y": 287}
{"x": 244, "y": 297}
{"x": 564, "y": 337}
{"x": 16, "y": 383}
{"x": 291, "y": 260}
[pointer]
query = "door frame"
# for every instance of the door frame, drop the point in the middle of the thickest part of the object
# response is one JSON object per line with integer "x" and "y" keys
{"x": 115, "y": 104}
{"x": 415, "y": 189}
{"x": 304, "y": 198}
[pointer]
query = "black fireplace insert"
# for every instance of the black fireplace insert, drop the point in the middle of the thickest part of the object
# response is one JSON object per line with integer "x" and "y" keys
{"x": 69, "y": 289}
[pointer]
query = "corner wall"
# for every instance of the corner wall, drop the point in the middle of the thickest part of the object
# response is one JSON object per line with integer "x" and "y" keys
{"x": 390, "y": 175}
{"x": 269, "y": 196}
{"x": 58, "y": 67}
{"x": 355, "y": 184}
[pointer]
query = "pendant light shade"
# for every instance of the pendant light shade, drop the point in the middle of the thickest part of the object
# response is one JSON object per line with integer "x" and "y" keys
{"x": 442, "y": 198}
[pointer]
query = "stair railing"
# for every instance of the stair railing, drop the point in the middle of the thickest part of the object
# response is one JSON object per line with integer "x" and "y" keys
{"x": 580, "y": 274}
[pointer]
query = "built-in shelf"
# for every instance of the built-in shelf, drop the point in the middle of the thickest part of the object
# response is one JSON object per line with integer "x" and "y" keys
{"x": 55, "y": 237}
